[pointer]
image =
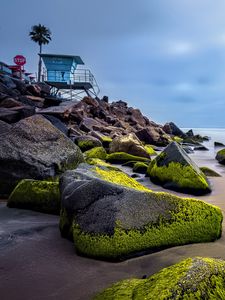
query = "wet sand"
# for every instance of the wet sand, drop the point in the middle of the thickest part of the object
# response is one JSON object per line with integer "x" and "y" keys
{"x": 37, "y": 264}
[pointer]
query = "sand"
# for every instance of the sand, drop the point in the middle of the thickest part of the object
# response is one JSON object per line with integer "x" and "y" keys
{"x": 37, "y": 264}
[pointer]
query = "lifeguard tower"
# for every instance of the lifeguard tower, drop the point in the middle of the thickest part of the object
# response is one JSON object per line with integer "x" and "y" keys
{"x": 67, "y": 79}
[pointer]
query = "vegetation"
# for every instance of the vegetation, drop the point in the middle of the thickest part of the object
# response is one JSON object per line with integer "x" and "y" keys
{"x": 96, "y": 152}
{"x": 41, "y": 35}
{"x": 150, "y": 150}
{"x": 178, "y": 176}
{"x": 140, "y": 167}
{"x": 192, "y": 278}
{"x": 192, "y": 221}
{"x": 122, "y": 157}
{"x": 36, "y": 195}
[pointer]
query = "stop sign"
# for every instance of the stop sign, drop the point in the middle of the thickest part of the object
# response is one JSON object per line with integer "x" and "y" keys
{"x": 19, "y": 60}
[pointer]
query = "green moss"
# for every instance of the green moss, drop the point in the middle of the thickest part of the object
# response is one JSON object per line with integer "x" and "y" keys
{"x": 192, "y": 278}
{"x": 86, "y": 145}
{"x": 122, "y": 157}
{"x": 150, "y": 150}
{"x": 106, "y": 140}
{"x": 192, "y": 221}
{"x": 120, "y": 178}
{"x": 177, "y": 139}
{"x": 101, "y": 163}
{"x": 65, "y": 224}
{"x": 96, "y": 152}
{"x": 140, "y": 167}
{"x": 180, "y": 176}
{"x": 209, "y": 172}
{"x": 36, "y": 195}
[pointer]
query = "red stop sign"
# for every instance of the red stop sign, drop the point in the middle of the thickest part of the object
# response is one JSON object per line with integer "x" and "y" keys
{"x": 19, "y": 60}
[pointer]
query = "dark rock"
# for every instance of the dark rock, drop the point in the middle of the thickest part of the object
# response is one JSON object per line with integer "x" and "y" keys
{"x": 153, "y": 135}
{"x": 7, "y": 91}
{"x": 57, "y": 123}
{"x": 220, "y": 156}
{"x": 218, "y": 144}
{"x": 7, "y": 81}
{"x": 20, "y": 86}
{"x": 10, "y": 102}
{"x": 190, "y": 133}
{"x": 4, "y": 127}
{"x": 172, "y": 128}
{"x": 201, "y": 148}
{"x": 34, "y": 149}
{"x": 105, "y": 99}
{"x": 89, "y": 124}
{"x": 34, "y": 89}
{"x": 8, "y": 115}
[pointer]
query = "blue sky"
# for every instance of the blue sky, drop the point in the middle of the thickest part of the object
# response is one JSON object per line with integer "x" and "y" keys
{"x": 166, "y": 57}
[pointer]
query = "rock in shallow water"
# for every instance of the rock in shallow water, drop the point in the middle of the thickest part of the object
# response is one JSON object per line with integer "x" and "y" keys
{"x": 110, "y": 215}
{"x": 34, "y": 148}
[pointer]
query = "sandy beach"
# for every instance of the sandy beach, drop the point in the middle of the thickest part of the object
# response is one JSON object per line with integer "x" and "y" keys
{"x": 36, "y": 263}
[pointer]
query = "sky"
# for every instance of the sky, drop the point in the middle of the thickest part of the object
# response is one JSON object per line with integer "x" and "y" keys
{"x": 165, "y": 57}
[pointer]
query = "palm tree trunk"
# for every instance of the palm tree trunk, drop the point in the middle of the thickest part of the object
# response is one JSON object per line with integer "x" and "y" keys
{"x": 39, "y": 65}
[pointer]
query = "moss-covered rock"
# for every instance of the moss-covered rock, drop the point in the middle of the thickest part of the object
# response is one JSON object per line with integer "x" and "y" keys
{"x": 173, "y": 169}
{"x": 106, "y": 140}
{"x": 36, "y": 195}
{"x": 140, "y": 167}
{"x": 96, "y": 152}
{"x": 209, "y": 172}
{"x": 101, "y": 163}
{"x": 220, "y": 156}
{"x": 121, "y": 157}
{"x": 192, "y": 278}
{"x": 115, "y": 216}
{"x": 150, "y": 150}
{"x": 87, "y": 142}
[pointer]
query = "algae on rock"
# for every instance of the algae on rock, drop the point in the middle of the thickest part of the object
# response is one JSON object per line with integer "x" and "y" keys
{"x": 96, "y": 152}
{"x": 174, "y": 169}
{"x": 114, "y": 216}
{"x": 122, "y": 157}
{"x": 42, "y": 196}
{"x": 192, "y": 278}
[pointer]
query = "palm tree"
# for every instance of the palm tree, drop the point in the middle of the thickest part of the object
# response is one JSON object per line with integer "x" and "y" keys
{"x": 41, "y": 35}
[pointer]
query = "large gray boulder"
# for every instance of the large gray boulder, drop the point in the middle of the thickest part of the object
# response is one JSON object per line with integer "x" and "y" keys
{"x": 34, "y": 148}
{"x": 110, "y": 215}
{"x": 174, "y": 169}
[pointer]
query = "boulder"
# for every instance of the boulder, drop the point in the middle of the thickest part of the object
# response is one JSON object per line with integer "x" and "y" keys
{"x": 209, "y": 172}
{"x": 4, "y": 127}
{"x": 220, "y": 156}
{"x": 129, "y": 144}
{"x": 140, "y": 167}
{"x": 171, "y": 128}
{"x": 190, "y": 133}
{"x": 218, "y": 144}
{"x": 10, "y": 102}
{"x": 153, "y": 135}
{"x": 174, "y": 169}
{"x": 34, "y": 149}
{"x": 42, "y": 196}
{"x": 87, "y": 142}
{"x": 110, "y": 215}
{"x": 57, "y": 123}
{"x": 192, "y": 278}
{"x": 8, "y": 115}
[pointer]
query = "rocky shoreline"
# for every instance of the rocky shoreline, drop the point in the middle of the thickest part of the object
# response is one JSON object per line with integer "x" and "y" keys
{"x": 65, "y": 158}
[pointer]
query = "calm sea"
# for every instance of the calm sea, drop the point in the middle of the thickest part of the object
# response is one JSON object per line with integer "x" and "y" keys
{"x": 207, "y": 158}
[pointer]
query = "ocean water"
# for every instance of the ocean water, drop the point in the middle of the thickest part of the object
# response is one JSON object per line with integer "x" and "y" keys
{"x": 207, "y": 158}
